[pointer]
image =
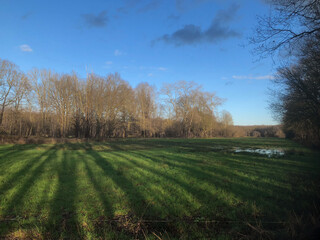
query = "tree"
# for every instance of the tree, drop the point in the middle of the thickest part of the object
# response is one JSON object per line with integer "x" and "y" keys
{"x": 63, "y": 105}
{"x": 226, "y": 123}
{"x": 288, "y": 25}
{"x": 145, "y": 99}
{"x": 61, "y": 95}
{"x": 40, "y": 87}
{"x": 298, "y": 100}
{"x": 192, "y": 108}
{"x": 13, "y": 86}
{"x": 294, "y": 26}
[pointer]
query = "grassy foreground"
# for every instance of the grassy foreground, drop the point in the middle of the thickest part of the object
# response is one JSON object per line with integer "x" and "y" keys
{"x": 158, "y": 189}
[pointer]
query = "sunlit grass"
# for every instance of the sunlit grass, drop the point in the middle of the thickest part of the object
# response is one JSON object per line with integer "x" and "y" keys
{"x": 172, "y": 188}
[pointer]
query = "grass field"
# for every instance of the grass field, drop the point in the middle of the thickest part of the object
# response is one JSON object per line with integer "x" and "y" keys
{"x": 159, "y": 189}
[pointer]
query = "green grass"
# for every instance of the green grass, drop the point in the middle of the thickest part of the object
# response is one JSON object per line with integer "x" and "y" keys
{"x": 158, "y": 189}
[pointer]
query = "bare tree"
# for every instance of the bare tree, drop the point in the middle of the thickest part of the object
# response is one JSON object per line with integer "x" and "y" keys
{"x": 13, "y": 86}
{"x": 60, "y": 95}
{"x": 298, "y": 97}
{"x": 40, "y": 86}
{"x": 62, "y": 105}
{"x": 146, "y": 107}
{"x": 287, "y": 26}
{"x": 294, "y": 26}
{"x": 190, "y": 106}
{"x": 226, "y": 123}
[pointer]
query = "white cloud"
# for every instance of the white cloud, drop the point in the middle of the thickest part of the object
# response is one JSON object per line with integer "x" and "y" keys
{"x": 250, "y": 77}
{"x": 152, "y": 68}
{"x": 162, "y": 69}
{"x": 25, "y": 48}
{"x": 150, "y": 75}
{"x": 117, "y": 53}
{"x": 108, "y": 64}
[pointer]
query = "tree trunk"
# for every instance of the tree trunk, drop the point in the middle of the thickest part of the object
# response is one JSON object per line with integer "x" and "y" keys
{"x": 1, "y": 115}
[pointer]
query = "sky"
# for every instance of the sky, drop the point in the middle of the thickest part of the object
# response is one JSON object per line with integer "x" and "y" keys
{"x": 154, "y": 41}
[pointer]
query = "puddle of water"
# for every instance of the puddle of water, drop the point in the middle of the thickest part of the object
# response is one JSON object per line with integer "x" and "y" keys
{"x": 268, "y": 152}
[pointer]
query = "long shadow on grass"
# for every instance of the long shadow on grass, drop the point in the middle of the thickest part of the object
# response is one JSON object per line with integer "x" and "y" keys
{"x": 98, "y": 222}
{"x": 21, "y": 173}
{"x": 10, "y": 155}
{"x": 7, "y": 151}
{"x": 97, "y": 186}
{"x": 190, "y": 168}
{"x": 156, "y": 186}
{"x": 136, "y": 200}
{"x": 212, "y": 206}
{"x": 268, "y": 188}
{"x": 240, "y": 186}
{"x": 30, "y": 173}
{"x": 139, "y": 206}
{"x": 62, "y": 219}
{"x": 201, "y": 195}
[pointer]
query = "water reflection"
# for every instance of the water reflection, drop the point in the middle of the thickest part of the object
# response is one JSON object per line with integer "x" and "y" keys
{"x": 268, "y": 152}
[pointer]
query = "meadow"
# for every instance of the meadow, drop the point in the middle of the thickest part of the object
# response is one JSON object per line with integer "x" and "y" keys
{"x": 159, "y": 189}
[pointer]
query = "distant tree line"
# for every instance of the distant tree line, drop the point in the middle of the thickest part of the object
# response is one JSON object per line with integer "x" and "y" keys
{"x": 258, "y": 131}
{"x": 44, "y": 103}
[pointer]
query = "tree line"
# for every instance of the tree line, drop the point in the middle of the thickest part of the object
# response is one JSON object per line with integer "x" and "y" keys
{"x": 45, "y": 103}
{"x": 298, "y": 103}
{"x": 292, "y": 29}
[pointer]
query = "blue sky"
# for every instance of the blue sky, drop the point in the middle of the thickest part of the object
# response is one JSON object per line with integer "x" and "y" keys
{"x": 154, "y": 41}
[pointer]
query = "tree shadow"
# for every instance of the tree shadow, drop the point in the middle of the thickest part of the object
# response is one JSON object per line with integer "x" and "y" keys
{"x": 154, "y": 184}
{"x": 121, "y": 181}
{"x": 230, "y": 181}
{"x": 203, "y": 196}
{"x": 182, "y": 213}
{"x": 138, "y": 206}
{"x": 9, "y": 154}
{"x": 18, "y": 175}
{"x": 98, "y": 188}
{"x": 62, "y": 218}
{"x": 99, "y": 224}
{"x": 28, "y": 176}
